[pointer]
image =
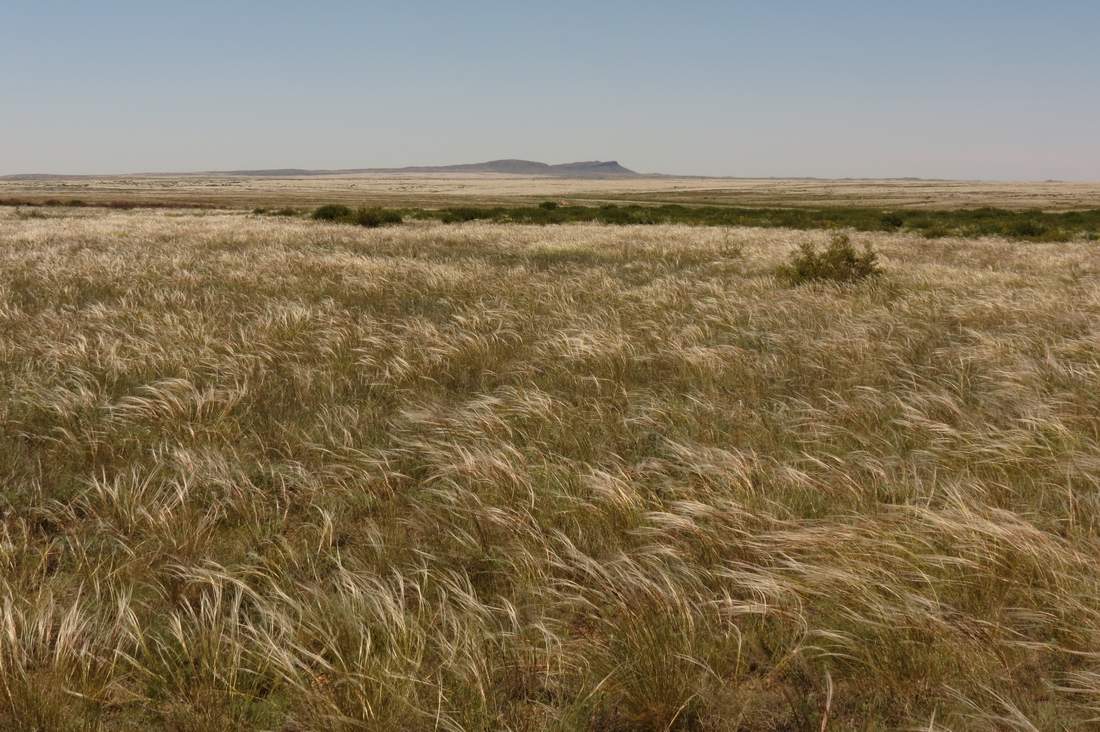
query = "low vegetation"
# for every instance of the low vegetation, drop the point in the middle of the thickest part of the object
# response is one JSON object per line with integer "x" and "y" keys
{"x": 1035, "y": 226}
{"x": 261, "y": 473}
{"x": 839, "y": 262}
{"x": 932, "y": 224}
{"x": 1025, "y": 225}
{"x": 368, "y": 217}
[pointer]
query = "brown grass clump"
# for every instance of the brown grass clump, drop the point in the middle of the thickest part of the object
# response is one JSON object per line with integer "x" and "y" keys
{"x": 266, "y": 473}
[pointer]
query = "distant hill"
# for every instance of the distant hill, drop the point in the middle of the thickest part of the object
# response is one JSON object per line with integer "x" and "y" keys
{"x": 587, "y": 169}
{"x": 591, "y": 168}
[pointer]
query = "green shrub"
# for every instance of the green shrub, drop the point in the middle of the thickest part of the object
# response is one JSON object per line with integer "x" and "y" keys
{"x": 936, "y": 231}
{"x": 259, "y": 211}
{"x": 369, "y": 217}
{"x": 840, "y": 262}
{"x": 460, "y": 215}
{"x": 287, "y": 211}
{"x": 375, "y": 217}
{"x": 1027, "y": 229}
{"x": 891, "y": 221}
{"x": 1054, "y": 234}
{"x": 548, "y": 205}
{"x": 332, "y": 212}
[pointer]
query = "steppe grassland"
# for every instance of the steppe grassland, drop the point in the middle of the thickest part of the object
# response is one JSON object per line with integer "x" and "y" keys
{"x": 451, "y": 189}
{"x": 275, "y": 474}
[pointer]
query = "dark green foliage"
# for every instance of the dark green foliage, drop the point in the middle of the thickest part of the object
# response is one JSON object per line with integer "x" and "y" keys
{"x": 375, "y": 217}
{"x": 892, "y": 221}
{"x": 840, "y": 262}
{"x": 459, "y": 215}
{"x": 936, "y": 231}
{"x": 332, "y": 212}
{"x": 368, "y": 217}
{"x": 1028, "y": 229}
{"x": 1038, "y": 226}
{"x": 1027, "y": 225}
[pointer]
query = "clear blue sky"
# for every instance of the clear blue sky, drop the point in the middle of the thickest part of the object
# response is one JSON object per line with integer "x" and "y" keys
{"x": 961, "y": 89}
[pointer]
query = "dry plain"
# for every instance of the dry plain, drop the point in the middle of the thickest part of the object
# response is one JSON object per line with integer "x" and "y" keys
{"x": 407, "y": 190}
{"x": 271, "y": 473}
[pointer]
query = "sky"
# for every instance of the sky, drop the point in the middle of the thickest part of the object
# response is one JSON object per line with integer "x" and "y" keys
{"x": 1005, "y": 90}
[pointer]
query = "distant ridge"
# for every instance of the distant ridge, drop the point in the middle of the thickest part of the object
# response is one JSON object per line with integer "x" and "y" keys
{"x": 591, "y": 168}
{"x": 586, "y": 169}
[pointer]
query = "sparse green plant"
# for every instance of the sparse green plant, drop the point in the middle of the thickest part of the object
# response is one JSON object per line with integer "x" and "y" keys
{"x": 732, "y": 248}
{"x": 838, "y": 262}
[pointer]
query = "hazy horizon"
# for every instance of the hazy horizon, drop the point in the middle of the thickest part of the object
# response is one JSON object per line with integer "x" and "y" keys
{"x": 990, "y": 91}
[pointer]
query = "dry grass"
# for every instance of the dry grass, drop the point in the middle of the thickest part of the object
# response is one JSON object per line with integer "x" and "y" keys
{"x": 452, "y": 189}
{"x": 284, "y": 475}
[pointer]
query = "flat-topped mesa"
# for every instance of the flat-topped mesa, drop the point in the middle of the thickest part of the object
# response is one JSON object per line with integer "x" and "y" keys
{"x": 585, "y": 169}
{"x": 594, "y": 167}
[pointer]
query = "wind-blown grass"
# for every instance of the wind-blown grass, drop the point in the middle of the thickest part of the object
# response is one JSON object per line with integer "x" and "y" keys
{"x": 279, "y": 474}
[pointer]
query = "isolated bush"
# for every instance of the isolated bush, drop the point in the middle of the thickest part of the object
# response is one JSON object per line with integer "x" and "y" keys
{"x": 375, "y": 217}
{"x": 1027, "y": 229}
{"x": 460, "y": 215}
{"x": 840, "y": 262}
{"x": 332, "y": 212}
{"x": 891, "y": 221}
{"x": 732, "y": 248}
{"x": 369, "y": 217}
{"x": 936, "y": 231}
{"x": 1054, "y": 234}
